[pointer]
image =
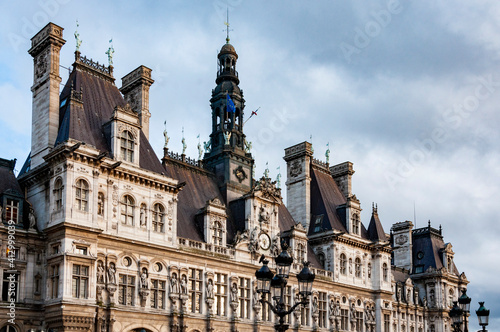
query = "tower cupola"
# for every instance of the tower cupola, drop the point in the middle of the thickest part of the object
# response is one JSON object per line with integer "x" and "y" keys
{"x": 228, "y": 156}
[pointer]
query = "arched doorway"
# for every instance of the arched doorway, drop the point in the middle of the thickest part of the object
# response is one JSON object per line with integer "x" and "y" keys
{"x": 8, "y": 328}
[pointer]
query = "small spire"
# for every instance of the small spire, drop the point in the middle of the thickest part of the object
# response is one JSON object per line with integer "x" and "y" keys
{"x": 77, "y": 38}
{"x": 312, "y": 149}
{"x": 227, "y": 26}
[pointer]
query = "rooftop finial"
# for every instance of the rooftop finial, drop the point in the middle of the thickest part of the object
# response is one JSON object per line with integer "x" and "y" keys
{"x": 184, "y": 145}
{"x": 110, "y": 52}
{"x": 77, "y": 38}
{"x": 327, "y": 153}
{"x": 227, "y": 26}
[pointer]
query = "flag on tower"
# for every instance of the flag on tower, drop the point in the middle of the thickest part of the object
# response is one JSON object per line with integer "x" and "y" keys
{"x": 230, "y": 108}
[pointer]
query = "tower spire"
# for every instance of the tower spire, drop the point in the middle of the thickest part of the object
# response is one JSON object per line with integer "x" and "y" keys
{"x": 227, "y": 26}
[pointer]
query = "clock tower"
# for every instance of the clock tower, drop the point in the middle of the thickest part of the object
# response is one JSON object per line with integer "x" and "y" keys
{"x": 229, "y": 155}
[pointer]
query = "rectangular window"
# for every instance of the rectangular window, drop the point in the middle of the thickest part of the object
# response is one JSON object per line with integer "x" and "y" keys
{"x": 359, "y": 321}
{"x": 288, "y": 302}
{"x": 81, "y": 250}
{"x": 322, "y": 322}
{"x": 387, "y": 322}
{"x": 304, "y": 315}
{"x": 54, "y": 281}
{"x": 266, "y": 309}
{"x": 158, "y": 289}
{"x": 220, "y": 294}
{"x": 12, "y": 210}
{"x": 344, "y": 316}
{"x": 244, "y": 298}
{"x": 10, "y": 286}
{"x": 80, "y": 281}
{"x": 196, "y": 280}
{"x": 126, "y": 294}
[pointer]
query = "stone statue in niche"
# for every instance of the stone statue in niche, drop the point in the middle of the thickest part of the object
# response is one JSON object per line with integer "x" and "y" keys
{"x": 210, "y": 289}
{"x": 100, "y": 272}
{"x": 234, "y": 292}
{"x": 142, "y": 215}
{"x": 174, "y": 284}
{"x": 111, "y": 273}
{"x": 31, "y": 218}
{"x": 144, "y": 278}
{"x": 184, "y": 289}
{"x": 315, "y": 305}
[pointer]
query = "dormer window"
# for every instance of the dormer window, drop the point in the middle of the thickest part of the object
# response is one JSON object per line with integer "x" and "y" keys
{"x": 217, "y": 233}
{"x": 355, "y": 224}
{"x": 12, "y": 211}
{"x": 127, "y": 146}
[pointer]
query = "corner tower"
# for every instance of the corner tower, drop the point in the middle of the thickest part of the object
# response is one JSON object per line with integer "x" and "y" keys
{"x": 228, "y": 157}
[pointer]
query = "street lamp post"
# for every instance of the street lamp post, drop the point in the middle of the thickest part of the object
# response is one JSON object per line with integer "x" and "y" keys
{"x": 464, "y": 302}
{"x": 266, "y": 280}
{"x": 483, "y": 315}
{"x": 456, "y": 316}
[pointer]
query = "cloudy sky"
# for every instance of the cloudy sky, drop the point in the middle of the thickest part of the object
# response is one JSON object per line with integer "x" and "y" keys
{"x": 406, "y": 90}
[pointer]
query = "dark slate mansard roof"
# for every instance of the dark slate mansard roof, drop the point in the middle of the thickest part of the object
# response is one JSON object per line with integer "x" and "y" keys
{"x": 84, "y": 121}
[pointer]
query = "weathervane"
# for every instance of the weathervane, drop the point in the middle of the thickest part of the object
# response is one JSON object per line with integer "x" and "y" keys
{"x": 77, "y": 37}
{"x": 227, "y": 26}
{"x": 110, "y": 52}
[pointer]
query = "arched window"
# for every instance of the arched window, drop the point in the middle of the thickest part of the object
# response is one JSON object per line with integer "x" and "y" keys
{"x": 217, "y": 233}
{"x": 100, "y": 204}
{"x": 357, "y": 267}
{"x": 321, "y": 258}
{"x": 158, "y": 218}
{"x": 355, "y": 224}
{"x": 8, "y": 328}
{"x": 301, "y": 252}
{"x": 343, "y": 264}
{"x": 127, "y": 210}
{"x": 82, "y": 195}
{"x": 385, "y": 272}
{"x": 127, "y": 146}
{"x": 58, "y": 193}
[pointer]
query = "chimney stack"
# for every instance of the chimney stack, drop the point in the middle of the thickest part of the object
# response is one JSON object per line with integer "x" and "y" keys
{"x": 135, "y": 89}
{"x": 45, "y": 49}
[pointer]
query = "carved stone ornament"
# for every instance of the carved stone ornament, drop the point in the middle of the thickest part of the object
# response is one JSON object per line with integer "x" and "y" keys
{"x": 267, "y": 188}
{"x": 295, "y": 169}
{"x": 240, "y": 174}
{"x": 41, "y": 65}
{"x": 401, "y": 239}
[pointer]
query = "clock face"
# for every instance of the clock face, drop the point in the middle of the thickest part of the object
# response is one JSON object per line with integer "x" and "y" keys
{"x": 264, "y": 241}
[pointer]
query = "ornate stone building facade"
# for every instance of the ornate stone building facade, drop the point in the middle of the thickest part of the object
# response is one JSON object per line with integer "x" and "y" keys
{"x": 99, "y": 234}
